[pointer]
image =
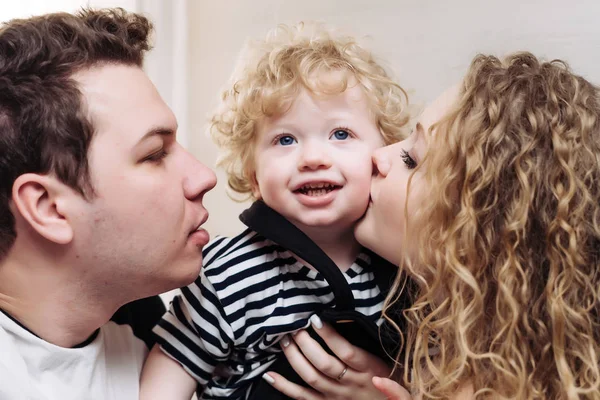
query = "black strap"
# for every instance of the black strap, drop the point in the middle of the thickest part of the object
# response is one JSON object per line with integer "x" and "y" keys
{"x": 273, "y": 226}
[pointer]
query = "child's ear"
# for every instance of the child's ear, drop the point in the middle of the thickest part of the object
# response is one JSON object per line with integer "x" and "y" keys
{"x": 42, "y": 201}
{"x": 250, "y": 173}
{"x": 255, "y": 189}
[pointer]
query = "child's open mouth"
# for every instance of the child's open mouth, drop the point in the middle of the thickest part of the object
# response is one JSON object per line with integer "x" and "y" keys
{"x": 317, "y": 189}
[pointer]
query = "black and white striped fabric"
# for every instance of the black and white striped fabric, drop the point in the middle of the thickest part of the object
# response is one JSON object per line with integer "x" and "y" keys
{"x": 250, "y": 293}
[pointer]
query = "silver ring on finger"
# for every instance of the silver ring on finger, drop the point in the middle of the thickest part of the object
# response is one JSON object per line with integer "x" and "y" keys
{"x": 341, "y": 375}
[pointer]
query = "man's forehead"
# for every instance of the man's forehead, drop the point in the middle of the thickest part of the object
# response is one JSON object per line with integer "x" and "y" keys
{"x": 122, "y": 98}
{"x": 106, "y": 84}
{"x": 106, "y": 74}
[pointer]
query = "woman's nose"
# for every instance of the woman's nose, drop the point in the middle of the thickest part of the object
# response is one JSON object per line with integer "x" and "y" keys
{"x": 381, "y": 161}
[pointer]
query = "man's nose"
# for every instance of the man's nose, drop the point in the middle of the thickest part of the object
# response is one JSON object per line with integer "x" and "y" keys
{"x": 198, "y": 178}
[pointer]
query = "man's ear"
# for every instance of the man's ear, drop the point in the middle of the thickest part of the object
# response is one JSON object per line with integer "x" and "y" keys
{"x": 42, "y": 200}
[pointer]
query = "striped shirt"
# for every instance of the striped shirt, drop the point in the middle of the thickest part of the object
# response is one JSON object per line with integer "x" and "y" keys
{"x": 250, "y": 293}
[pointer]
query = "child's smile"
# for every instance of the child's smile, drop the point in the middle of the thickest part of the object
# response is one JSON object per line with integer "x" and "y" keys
{"x": 317, "y": 194}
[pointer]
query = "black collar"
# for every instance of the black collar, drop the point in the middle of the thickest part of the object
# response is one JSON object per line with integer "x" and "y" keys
{"x": 273, "y": 226}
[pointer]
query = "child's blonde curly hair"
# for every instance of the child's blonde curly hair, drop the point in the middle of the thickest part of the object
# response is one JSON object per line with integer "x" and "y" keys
{"x": 274, "y": 70}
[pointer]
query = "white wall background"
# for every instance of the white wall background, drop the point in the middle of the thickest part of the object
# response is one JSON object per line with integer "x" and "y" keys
{"x": 427, "y": 43}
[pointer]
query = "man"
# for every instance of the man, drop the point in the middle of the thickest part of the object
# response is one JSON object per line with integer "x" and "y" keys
{"x": 99, "y": 205}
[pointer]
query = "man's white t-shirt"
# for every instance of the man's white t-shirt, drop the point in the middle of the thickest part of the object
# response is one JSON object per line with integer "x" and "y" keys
{"x": 106, "y": 368}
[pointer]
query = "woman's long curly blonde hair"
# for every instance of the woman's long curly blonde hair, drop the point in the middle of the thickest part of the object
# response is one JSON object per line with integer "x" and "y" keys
{"x": 269, "y": 76}
{"x": 509, "y": 241}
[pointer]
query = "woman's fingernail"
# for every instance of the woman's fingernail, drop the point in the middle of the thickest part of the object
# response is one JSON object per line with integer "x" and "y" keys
{"x": 285, "y": 342}
{"x": 268, "y": 378}
{"x": 316, "y": 321}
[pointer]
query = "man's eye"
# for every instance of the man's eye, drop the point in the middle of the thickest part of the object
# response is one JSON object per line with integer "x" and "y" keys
{"x": 285, "y": 140}
{"x": 408, "y": 160}
{"x": 157, "y": 157}
{"x": 340, "y": 134}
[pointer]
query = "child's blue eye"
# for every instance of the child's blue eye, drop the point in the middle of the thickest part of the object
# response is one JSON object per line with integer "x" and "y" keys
{"x": 340, "y": 134}
{"x": 286, "y": 140}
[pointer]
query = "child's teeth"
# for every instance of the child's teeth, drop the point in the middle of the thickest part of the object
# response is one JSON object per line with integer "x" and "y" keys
{"x": 317, "y": 192}
{"x": 316, "y": 189}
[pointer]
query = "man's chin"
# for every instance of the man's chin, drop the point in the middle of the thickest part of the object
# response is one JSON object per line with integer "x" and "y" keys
{"x": 184, "y": 276}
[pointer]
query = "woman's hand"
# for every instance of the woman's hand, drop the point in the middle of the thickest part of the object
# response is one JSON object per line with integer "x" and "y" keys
{"x": 349, "y": 376}
{"x": 391, "y": 389}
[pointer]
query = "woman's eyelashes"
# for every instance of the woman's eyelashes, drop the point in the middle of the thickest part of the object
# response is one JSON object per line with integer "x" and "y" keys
{"x": 408, "y": 160}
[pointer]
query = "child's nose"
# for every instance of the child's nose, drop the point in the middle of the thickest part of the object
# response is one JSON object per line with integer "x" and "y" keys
{"x": 314, "y": 157}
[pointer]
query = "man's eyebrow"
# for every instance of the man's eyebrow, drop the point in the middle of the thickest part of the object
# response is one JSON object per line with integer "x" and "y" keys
{"x": 159, "y": 131}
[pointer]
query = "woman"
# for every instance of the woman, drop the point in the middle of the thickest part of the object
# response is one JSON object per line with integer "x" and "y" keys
{"x": 492, "y": 207}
